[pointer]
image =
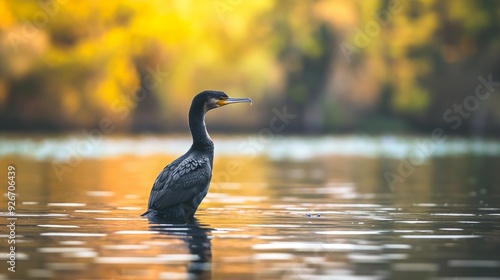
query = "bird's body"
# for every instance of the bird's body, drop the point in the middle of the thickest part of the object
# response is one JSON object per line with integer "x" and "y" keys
{"x": 181, "y": 185}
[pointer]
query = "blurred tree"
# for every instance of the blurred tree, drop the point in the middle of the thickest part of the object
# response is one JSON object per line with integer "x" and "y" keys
{"x": 424, "y": 56}
{"x": 340, "y": 65}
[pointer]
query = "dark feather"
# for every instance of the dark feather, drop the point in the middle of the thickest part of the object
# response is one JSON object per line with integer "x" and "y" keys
{"x": 181, "y": 186}
{"x": 179, "y": 182}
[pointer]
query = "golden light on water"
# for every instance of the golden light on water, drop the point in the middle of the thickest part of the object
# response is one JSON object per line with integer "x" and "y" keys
{"x": 322, "y": 177}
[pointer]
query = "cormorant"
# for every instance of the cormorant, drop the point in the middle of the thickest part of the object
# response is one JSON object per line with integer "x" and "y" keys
{"x": 181, "y": 185}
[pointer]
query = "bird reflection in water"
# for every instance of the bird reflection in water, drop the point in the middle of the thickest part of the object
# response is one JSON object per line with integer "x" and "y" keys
{"x": 196, "y": 236}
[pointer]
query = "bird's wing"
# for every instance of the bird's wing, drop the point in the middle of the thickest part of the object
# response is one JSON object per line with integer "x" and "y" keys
{"x": 179, "y": 182}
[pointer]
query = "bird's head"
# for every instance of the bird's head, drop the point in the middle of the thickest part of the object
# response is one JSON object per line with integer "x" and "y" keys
{"x": 214, "y": 99}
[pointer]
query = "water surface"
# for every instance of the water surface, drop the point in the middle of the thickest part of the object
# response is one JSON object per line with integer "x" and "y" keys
{"x": 285, "y": 213}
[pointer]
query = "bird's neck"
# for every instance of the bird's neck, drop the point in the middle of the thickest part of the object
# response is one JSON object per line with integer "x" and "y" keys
{"x": 201, "y": 139}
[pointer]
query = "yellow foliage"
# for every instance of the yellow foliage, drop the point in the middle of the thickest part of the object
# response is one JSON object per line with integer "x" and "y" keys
{"x": 101, "y": 51}
{"x": 6, "y": 18}
{"x": 468, "y": 13}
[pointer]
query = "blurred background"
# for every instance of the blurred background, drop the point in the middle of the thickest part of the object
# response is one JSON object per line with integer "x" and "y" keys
{"x": 340, "y": 66}
{"x": 370, "y": 149}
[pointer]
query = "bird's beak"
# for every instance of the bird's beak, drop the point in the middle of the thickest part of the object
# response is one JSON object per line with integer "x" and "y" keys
{"x": 233, "y": 100}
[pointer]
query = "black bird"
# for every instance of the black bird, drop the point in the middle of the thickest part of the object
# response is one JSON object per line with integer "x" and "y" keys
{"x": 181, "y": 186}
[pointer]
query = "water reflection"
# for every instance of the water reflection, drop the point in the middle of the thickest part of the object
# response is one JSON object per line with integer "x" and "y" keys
{"x": 265, "y": 217}
{"x": 196, "y": 237}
